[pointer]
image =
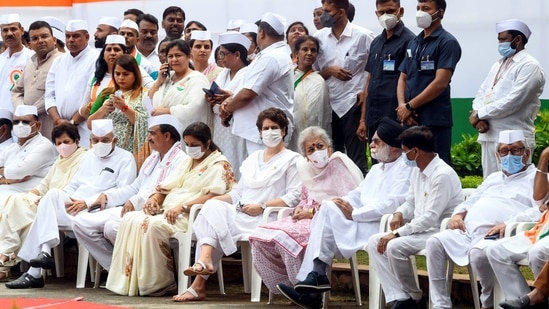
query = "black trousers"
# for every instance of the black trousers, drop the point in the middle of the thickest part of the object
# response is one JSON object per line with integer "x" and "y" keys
{"x": 345, "y": 139}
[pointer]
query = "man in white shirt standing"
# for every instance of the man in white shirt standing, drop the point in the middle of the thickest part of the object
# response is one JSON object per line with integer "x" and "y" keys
{"x": 342, "y": 63}
{"x": 343, "y": 226}
{"x": 503, "y": 197}
{"x": 13, "y": 59}
{"x": 68, "y": 77}
{"x": 130, "y": 31}
{"x": 435, "y": 190}
{"x": 104, "y": 167}
{"x": 268, "y": 82}
{"x": 97, "y": 230}
{"x": 509, "y": 96}
{"x": 24, "y": 164}
{"x": 148, "y": 38}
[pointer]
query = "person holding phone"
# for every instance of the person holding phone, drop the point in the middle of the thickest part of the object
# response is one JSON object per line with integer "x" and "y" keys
{"x": 505, "y": 196}
{"x": 180, "y": 93}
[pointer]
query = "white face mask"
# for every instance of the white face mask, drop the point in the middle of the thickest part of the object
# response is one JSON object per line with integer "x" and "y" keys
{"x": 388, "y": 21}
{"x": 102, "y": 149}
{"x": 22, "y": 130}
{"x": 424, "y": 19}
{"x": 319, "y": 158}
{"x": 66, "y": 150}
{"x": 195, "y": 152}
{"x": 272, "y": 137}
{"x": 381, "y": 153}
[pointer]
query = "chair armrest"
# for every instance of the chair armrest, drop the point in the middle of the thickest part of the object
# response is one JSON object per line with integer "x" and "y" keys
{"x": 193, "y": 213}
{"x": 384, "y": 223}
{"x": 285, "y": 212}
{"x": 271, "y": 210}
{"x": 524, "y": 226}
{"x": 510, "y": 229}
{"x": 444, "y": 224}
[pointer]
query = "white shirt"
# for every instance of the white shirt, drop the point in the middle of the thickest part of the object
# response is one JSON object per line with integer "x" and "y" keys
{"x": 96, "y": 175}
{"x": 432, "y": 196}
{"x": 350, "y": 52}
{"x": 270, "y": 76}
{"x": 382, "y": 191}
{"x": 510, "y": 99}
{"x": 152, "y": 172}
{"x": 5, "y": 144}
{"x": 11, "y": 69}
{"x": 66, "y": 86}
{"x": 154, "y": 59}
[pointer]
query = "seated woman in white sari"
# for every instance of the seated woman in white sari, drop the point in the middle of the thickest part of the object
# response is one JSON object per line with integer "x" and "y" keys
{"x": 142, "y": 262}
{"x": 20, "y": 209}
{"x": 278, "y": 247}
{"x": 269, "y": 178}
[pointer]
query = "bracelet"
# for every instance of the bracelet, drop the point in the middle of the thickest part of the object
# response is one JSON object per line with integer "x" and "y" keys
{"x": 125, "y": 108}
{"x": 185, "y": 208}
{"x": 540, "y": 171}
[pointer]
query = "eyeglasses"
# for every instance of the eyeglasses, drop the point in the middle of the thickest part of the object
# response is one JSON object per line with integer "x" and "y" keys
{"x": 223, "y": 54}
{"x": 516, "y": 151}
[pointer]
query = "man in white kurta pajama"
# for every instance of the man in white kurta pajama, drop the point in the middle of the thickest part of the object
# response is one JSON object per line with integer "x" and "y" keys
{"x": 67, "y": 79}
{"x": 103, "y": 168}
{"x": 503, "y": 197}
{"x": 24, "y": 164}
{"x": 434, "y": 191}
{"x": 97, "y": 230}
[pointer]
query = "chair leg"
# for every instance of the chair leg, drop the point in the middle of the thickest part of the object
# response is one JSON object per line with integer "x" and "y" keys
{"x": 376, "y": 300}
{"x": 356, "y": 279}
{"x": 474, "y": 287}
{"x": 59, "y": 257}
{"x": 271, "y": 298}
{"x": 220, "y": 278}
{"x": 246, "y": 265}
{"x": 326, "y": 295}
{"x": 83, "y": 256}
{"x": 256, "y": 286}
{"x": 97, "y": 274}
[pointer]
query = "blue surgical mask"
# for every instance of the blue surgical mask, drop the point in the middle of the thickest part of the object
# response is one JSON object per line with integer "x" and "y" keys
{"x": 506, "y": 50}
{"x": 410, "y": 163}
{"x": 512, "y": 164}
{"x": 327, "y": 20}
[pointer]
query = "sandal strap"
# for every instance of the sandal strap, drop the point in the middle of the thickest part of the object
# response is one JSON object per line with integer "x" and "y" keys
{"x": 199, "y": 262}
{"x": 192, "y": 292}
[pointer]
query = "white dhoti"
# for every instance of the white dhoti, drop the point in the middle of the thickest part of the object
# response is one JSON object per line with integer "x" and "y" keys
{"x": 334, "y": 235}
{"x": 51, "y": 213}
{"x": 88, "y": 228}
{"x": 15, "y": 221}
{"x": 394, "y": 268}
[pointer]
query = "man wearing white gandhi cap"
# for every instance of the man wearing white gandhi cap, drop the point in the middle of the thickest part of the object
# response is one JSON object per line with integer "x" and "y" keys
{"x": 68, "y": 78}
{"x": 130, "y": 31}
{"x": 503, "y": 197}
{"x": 106, "y": 26}
{"x": 13, "y": 59}
{"x": 24, "y": 164}
{"x": 97, "y": 231}
{"x": 5, "y": 129}
{"x": 509, "y": 96}
{"x": 102, "y": 168}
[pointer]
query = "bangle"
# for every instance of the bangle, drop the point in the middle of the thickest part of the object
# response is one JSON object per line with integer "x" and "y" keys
{"x": 185, "y": 207}
{"x": 312, "y": 211}
{"x": 540, "y": 171}
{"x": 125, "y": 108}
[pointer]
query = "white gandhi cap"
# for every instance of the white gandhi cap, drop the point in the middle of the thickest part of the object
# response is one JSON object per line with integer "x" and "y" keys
{"x": 9, "y": 19}
{"x": 76, "y": 25}
{"x": 128, "y": 23}
{"x": 513, "y": 24}
{"x": 5, "y": 114}
{"x": 166, "y": 119}
{"x": 57, "y": 27}
{"x": 318, "y": 4}
{"x": 249, "y": 27}
{"x": 23, "y": 110}
{"x": 115, "y": 39}
{"x": 201, "y": 35}
{"x": 110, "y": 21}
{"x": 235, "y": 23}
{"x": 102, "y": 127}
{"x": 277, "y": 22}
{"x": 511, "y": 136}
{"x": 233, "y": 37}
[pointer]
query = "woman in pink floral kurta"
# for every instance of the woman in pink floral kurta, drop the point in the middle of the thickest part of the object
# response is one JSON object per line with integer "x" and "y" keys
{"x": 278, "y": 247}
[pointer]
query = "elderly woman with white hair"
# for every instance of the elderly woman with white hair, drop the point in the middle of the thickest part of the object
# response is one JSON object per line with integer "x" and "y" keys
{"x": 278, "y": 247}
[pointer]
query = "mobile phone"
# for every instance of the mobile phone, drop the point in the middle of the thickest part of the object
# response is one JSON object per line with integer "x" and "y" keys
{"x": 118, "y": 93}
{"x": 492, "y": 237}
{"x": 215, "y": 88}
{"x": 167, "y": 72}
{"x": 94, "y": 208}
{"x": 208, "y": 92}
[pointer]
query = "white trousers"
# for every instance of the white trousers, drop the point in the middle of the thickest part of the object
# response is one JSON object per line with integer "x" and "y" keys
{"x": 394, "y": 268}
{"x": 437, "y": 259}
{"x": 51, "y": 214}
{"x": 504, "y": 264}
{"x": 88, "y": 228}
{"x": 489, "y": 160}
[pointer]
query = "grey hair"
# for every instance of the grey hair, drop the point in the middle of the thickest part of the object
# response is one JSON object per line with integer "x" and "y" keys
{"x": 310, "y": 132}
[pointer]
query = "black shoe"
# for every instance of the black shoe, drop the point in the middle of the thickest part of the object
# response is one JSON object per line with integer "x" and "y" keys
{"x": 307, "y": 301}
{"x": 410, "y": 303}
{"x": 43, "y": 260}
{"x": 314, "y": 283}
{"x": 26, "y": 281}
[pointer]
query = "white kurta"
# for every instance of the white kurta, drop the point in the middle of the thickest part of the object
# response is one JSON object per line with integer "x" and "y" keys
{"x": 66, "y": 86}
{"x": 33, "y": 158}
{"x": 95, "y": 175}
{"x": 185, "y": 99}
{"x": 270, "y": 76}
{"x": 232, "y": 146}
{"x": 20, "y": 209}
{"x": 381, "y": 192}
{"x": 91, "y": 228}
{"x": 11, "y": 69}
{"x": 220, "y": 225}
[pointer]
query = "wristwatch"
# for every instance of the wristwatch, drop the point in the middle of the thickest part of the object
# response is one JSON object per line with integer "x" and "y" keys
{"x": 395, "y": 232}
{"x": 408, "y": 106}
{"x": 263, "y": 206}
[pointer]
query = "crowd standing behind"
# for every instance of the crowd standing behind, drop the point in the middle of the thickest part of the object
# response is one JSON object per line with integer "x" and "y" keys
{"x": 274, "y": 88}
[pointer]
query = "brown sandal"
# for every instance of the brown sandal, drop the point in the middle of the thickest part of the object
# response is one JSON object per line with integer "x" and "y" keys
{"x": 192, "y": 271}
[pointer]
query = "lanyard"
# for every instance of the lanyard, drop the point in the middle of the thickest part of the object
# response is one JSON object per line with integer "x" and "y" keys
{"x": 502, "y": 70}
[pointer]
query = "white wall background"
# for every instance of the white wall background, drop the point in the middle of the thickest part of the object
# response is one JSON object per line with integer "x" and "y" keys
{"x": 471, "y": 21}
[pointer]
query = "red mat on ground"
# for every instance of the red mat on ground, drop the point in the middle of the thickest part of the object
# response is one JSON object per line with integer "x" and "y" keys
{"x": 50, "y": 303}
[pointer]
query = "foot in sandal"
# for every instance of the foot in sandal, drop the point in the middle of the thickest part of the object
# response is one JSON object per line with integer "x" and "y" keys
{"x": 199, "y": 268}
{"x": 190, "y": 294}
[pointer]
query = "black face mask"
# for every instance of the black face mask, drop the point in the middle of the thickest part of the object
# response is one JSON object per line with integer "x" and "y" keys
{"x": 327, "y": 20}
